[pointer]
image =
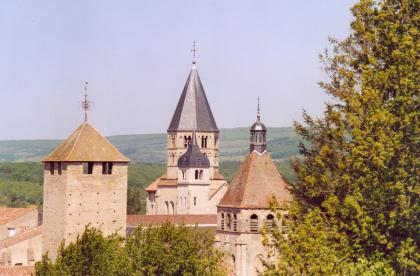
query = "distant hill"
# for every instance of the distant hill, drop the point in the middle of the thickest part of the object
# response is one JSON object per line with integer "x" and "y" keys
{"x": 151, "y": 148}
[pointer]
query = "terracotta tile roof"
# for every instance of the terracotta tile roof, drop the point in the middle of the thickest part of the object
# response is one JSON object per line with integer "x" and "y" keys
{"x": 161, "y": 181}
{"x": 35, "y": 231}
{"x": 147, "y": 220}
{"x": 255, "y": 182}
{"x": 86, "y": 144}
{"x": 8, "y": 214}
{"x": 17, "y": 270}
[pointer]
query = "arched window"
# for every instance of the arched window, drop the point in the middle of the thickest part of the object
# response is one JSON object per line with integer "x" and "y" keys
{"x": 229, "y": 222}
{"x": 235, "y": 223}
{"x": 167, "y": 207}
{"x": 172, "y": 207}
{"x": 196, "y": 174}
{"x": 201, "y": 174}
{"x": 195, "y": 201}
{"x": 253, "y": 223}
{"x": 222, "y": 221}
{"x": 233, "y": 259}
{"x": 270, "y": 220}
{"x": 185, "y": 200}
{"x": 184, "y": 173}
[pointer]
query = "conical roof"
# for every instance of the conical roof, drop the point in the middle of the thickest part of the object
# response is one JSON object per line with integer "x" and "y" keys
{"x": 256, "y": 181}
{"x": 86, "y": 144}
{"x": 193, "y": 158}
{"x": 193, "y": 109}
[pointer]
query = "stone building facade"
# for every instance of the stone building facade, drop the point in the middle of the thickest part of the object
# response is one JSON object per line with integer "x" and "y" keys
{"x": 167, "y": 194}
{"x": 244, "y": 209}
{"x": 85, "y": 182}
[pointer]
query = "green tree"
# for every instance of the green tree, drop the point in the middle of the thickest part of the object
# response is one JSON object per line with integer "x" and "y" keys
{"x": 90, "y": 254}
{"x": 357, "y": 187}
{"x": 173, "y": 250}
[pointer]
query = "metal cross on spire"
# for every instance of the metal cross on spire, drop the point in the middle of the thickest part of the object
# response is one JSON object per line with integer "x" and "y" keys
{"x": 194, "y": 51}
{"x": 258, "y": 109}
{"x": 86, "y": 102}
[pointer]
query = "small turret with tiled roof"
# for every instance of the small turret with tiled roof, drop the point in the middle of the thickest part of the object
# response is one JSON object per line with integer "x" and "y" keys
{"x": 245, "y": 207}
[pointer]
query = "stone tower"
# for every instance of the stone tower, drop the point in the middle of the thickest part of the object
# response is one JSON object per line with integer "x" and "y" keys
{"x": 244, "y": 208}
{"x": 192, "y": 113}
{"x": 193, "y": 181}
{"x": 85, "y": 182}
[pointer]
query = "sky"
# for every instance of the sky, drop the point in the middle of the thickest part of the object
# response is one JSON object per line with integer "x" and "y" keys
{"x": 136, "y": 57}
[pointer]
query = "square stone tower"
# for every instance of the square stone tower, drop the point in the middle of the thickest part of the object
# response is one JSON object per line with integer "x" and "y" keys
{"x": 192, "y": 114}
{"x": 85, "y": 182}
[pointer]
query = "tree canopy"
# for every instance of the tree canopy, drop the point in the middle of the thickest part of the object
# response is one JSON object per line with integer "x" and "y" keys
{"x": 157, "y": 250}
{"x": 357, "y": 188}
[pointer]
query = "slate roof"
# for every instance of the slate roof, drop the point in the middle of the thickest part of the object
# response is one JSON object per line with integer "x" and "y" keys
{"x": 17, "y": 270}
{"x": 8, "y": 214}
{"x": 193, "y": 109}
{"x": 193, "y": 158}
{"x": 86, "y": 144}
{"x": 255, "y": 182}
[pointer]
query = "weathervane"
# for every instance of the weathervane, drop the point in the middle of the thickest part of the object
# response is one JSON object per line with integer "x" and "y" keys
{"x": 86, "y": 103}
{"x": 194, "y": 51}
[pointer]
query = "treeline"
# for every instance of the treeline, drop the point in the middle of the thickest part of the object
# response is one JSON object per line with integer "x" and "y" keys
{"x": 21, "y": 184}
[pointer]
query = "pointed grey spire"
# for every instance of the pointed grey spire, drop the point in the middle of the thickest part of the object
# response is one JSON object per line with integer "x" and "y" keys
{"x": 193, "y": 108}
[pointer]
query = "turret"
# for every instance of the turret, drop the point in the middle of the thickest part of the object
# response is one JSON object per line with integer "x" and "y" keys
{"x": 258, "y": 132}
{"x": 193, "y": 180}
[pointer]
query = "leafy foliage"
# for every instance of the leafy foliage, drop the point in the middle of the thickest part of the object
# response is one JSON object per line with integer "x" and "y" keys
{"x": 357, "y": 188}
{"x": 90, "y": 254}
{"x": 159, "y": 250}
{"x": 173, "y": 250}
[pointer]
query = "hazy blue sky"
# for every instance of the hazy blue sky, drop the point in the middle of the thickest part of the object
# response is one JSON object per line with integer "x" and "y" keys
{"x": 136, "y": 57}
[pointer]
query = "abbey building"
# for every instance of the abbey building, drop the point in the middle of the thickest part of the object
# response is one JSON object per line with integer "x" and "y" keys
{"x": 85, "y": 183}
{"x": 192, "y": 183}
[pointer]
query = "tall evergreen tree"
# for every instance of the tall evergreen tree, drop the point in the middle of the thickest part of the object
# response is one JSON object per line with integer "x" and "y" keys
{"x": 357, "y": 188}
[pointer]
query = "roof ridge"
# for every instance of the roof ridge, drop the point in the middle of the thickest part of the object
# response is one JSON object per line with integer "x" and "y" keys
{"x": 77, "y": 139}
{"x": 248, "y": 173}
{"x": 106, "y": 140}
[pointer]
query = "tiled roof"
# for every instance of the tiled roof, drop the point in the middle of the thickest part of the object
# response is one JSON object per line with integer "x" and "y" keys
{"x": 8, "y": 214}
{"x": 193, "y": 109}
{"x": 86, "y": 144}
{"x": 255, "y": 182}
{"x": 30, "y": 233}
{"x": 161, "y": 181}
{"x": 147, "y": 220}
{"x": 17, "y": 270}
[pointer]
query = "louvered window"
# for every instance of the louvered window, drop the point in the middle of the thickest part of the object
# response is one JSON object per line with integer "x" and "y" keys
{"x": 253, "y": 223}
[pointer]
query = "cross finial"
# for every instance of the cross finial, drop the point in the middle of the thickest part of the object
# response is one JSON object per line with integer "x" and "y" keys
{"x": 86, "y": 102}
{"x": 194, "y": 51}
{"x": 258, "y": 109}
